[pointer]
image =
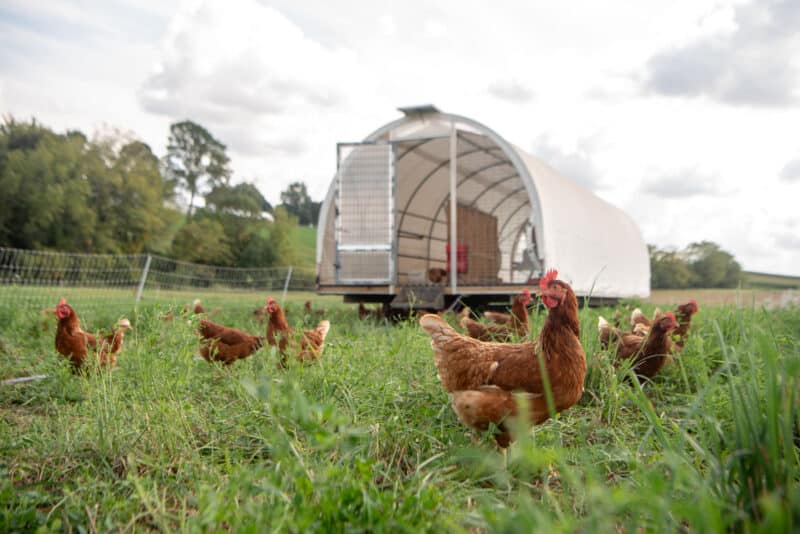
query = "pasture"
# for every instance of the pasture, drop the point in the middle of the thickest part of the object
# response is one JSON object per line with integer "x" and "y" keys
{"x": 365, "y": 439}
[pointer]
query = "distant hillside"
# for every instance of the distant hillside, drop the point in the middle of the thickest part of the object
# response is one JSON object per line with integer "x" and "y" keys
{"x": 770, "y": 281}
{"x": 304, "y": 239}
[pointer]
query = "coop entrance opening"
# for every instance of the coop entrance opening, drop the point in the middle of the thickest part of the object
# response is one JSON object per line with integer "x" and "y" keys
{"x": 365, "y": 214}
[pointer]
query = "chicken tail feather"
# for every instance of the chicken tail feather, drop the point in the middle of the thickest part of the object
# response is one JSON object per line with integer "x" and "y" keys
{"x": 322, "y": 328}
{"x": 440, "y": 331}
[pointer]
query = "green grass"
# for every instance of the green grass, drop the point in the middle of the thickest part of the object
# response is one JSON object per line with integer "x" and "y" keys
{"x": 770, "y": 281}
{"x": 304, "y": 245}
{"x": 365, "y": 439}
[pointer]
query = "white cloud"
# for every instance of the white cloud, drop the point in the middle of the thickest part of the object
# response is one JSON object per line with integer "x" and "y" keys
{"x": 221, "y": 64}
{"x": 511, "y": 90}
{"x": 684, "y": 183}
{"x": 387, "y": 25}
{"x": 576, "y": 164}
{"x": 434, "y": 28}
{"x": 791, "y": 171}
{"x": 789, "y": 241}
{"x": 749, "y": 59}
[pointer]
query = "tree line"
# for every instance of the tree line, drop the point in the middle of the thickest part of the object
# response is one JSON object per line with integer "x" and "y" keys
{"x": 702, "y": 264}
{"x": 112, "y": 194}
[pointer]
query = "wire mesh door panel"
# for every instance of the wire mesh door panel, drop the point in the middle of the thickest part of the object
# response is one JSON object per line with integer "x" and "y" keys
{"x": 365, "y": 214}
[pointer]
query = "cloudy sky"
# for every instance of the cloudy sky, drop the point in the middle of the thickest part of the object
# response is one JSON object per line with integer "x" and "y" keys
{"x": 686, "y": 114}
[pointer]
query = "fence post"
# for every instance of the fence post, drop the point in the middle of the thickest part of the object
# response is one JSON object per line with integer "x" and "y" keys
{"x": 286, "y": 284}
{"x": 143, "y": 279}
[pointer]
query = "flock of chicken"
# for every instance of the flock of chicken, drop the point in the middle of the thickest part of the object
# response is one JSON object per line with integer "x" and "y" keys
{"x": 488, "y": 381}
{"x": 217, "y": 342}
{"x": 487, "y": 376}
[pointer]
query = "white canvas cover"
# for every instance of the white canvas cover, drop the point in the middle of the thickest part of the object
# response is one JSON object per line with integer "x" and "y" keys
{"x": 594, "y": 245}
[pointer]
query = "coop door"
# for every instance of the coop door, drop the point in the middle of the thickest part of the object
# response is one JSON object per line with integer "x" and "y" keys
{"x": 365, "y": 214}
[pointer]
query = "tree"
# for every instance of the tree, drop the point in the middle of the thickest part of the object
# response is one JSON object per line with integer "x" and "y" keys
{"x": 108, "y": 195}
{"x": 203, "y": 241}
{"x": 46, "y": 193}
{"x": 141, "y": 214}
{"x": 240, "y": 210}
{"x": 241, "y": 199}
{"x": 128, "y": 193}
{"x": 195, "y": 160}
{"x": 702, "y": 264}
{"x": 712, "y": 266}
{"x": 668, "y": 269}
{"x": 21, "y": 135}
{"x": 66, "y": 193}
{"x": 257, "y": 248}
{"x": 280, "y": 234}
{"x": 297, "y": 202}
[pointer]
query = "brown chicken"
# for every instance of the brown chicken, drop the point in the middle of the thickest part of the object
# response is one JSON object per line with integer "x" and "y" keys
{"x": 486, "y": 332}
{"x": 497, "y": 317}
{"x": 308, "y": 345}
{"x": 311, "y": 312}
{"x": 519, "y": 311}
{"x": 366, "y": 313}
{"x": 450, "y": 315}
{"x": 483, "y": 378}
{"x": 649, "y": 352}
{"x": 75, "y": 344}
{"x": 224, "y": 344}
{"x": 610, "y": 334}
{"x": 437, "y": 275}
{"x": 684, "y": 317}
{"x": 197, "y": 308}
{"x": 516, "y": 325}
{"x": 638, "y": 318}
{"x": 621, "y": 313}
{"x": 683, "y": 314}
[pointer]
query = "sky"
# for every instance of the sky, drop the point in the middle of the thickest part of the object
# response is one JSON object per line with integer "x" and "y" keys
{"x": 685, "y": 114}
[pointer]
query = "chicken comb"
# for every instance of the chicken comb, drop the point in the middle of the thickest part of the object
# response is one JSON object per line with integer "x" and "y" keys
{"x": 672, "y": 317}
{"x": 270, "y": 300}
{"x": 548, "y": 277}
{"x": 526, "y": 291}
{"x": 62, "y": 301}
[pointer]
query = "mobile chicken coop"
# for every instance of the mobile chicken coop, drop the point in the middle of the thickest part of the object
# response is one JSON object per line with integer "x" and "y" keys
{"x": 402, "y": 197}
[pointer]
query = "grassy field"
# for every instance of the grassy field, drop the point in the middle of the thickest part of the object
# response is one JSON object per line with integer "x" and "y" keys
{"x": 727, "y": 297}
{"x": 365, "y": 439}
{"x": 304, "y": 241}
{"x": 770, "y": 281}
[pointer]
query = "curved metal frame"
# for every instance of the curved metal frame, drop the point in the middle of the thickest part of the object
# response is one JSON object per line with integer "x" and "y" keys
{"x": 460, "y": 183}
{"x": 436, "y": 169}
{"x": 502, "y": 180}
{"x": 508, "y": 220}
{"x": 413, "y": 148}
{"x": 511, "y": 194}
